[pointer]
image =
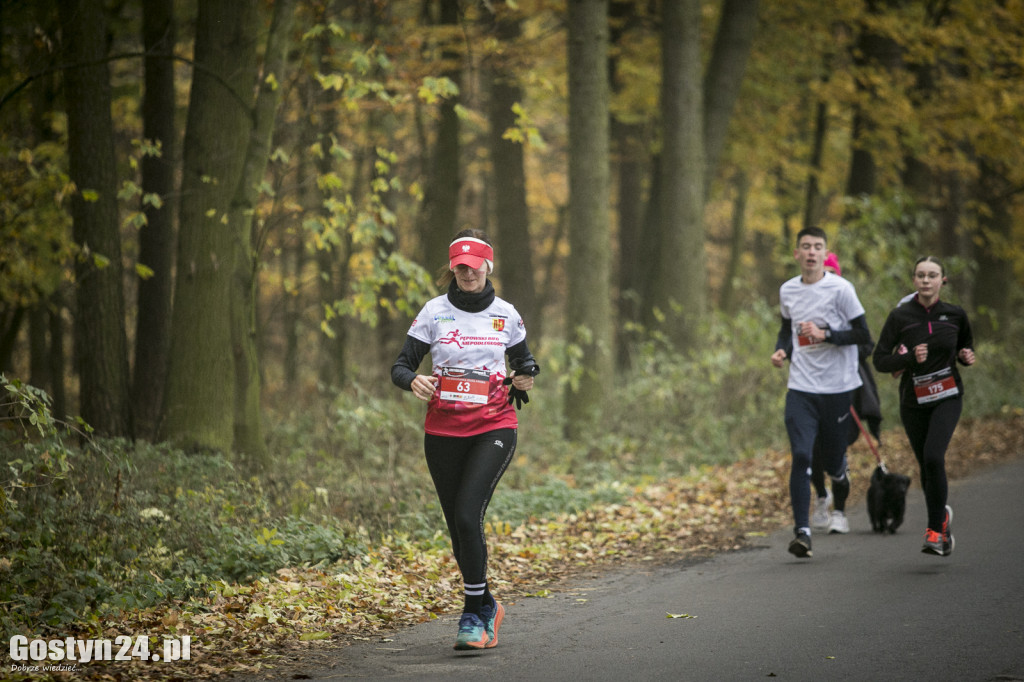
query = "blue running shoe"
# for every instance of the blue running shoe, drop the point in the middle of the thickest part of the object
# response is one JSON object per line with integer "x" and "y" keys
{"x": 472, "y": 633}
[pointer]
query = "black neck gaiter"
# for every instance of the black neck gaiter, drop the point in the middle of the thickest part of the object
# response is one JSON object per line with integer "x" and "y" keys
{"x": 471, "y": 303}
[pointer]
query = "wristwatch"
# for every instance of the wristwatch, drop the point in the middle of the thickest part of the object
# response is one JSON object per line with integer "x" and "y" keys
{"x": 828, "y": 334}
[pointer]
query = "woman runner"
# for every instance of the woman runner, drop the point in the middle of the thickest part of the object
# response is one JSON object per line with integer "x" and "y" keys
{"x": 470, "y": 425}
{"x": 924, "y": 338}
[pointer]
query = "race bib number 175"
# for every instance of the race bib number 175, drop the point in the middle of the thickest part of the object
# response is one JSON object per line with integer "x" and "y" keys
{"x": 935, "y": 386}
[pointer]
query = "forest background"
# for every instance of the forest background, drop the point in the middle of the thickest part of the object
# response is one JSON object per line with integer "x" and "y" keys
{"x": 218, "y": 218}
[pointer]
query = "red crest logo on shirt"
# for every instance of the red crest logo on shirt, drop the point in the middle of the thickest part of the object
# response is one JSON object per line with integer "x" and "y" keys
{"x": 498, "y": 324}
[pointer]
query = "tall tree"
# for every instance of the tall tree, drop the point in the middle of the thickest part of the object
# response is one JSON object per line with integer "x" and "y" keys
{"x": 724, "y": 76}
{"x": 441, "y": 200}
{"x": 992, "y": 297}
{"x": 631, "y": 166}
{"x": 46, "y": 322}
{"x": 248, "y": 431}
{"x": 200, "y": 394}
{"x": 876, "y": 54}
{"x": 156, "y": 238}
{"x": 334, "y": 244}
{"x": 737, "y": 236}
{"x": 682, "y": 275}
{"x": 101, "y": 346}
{"x": 589, "y": 268}
{"x": 511, "y": 213}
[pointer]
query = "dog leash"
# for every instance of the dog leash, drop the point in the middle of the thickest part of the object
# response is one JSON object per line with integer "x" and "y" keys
{"x": 867, "y": 437}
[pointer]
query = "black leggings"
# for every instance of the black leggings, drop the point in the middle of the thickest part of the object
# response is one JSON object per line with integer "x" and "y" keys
{"x": 929, "y": 430}
{"x": 465, "y": 472}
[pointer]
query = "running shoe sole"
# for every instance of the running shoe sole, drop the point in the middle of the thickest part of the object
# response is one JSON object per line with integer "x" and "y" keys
{"x": 498, "y": 617}
{"x": 946, "y": 551}
{"x": 799, "y": 549}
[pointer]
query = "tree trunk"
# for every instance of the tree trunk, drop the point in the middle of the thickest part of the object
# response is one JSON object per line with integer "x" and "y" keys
{"x": 57, "y": 362}
{"x": 681, "y": 274}
{"x": 653, "y": 237}
{"x": 200, "y": 396}
{"x": 589, "y": 267}
{"x": 101, "y": 346}
{"x": 442, "y": 196}
{"x": 765, "y": 278}
{"x": 631, "y": 166}
{"x": 736, "y": 29}
{"x": 994, "y": 301}
{"x": 156, "y": 238}
{"x": 632, "y": 162}
{"x": 512, "y": 220}
{"x": 38, "y": 348}
{"x": 332, "y": 261}
{"x": 10, "y": 328}
{"x": 736, "y": 241}
{"x": 876, "y": 52}
{"x": 812, "y": 203}
{"x": 43, "y": 97}
{"x": 248, "y": 420}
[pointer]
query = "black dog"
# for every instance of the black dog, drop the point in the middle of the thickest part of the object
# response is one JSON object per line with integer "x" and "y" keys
{"x": 887, "y": 500}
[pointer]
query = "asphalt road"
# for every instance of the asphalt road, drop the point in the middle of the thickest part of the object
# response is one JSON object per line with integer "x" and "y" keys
{"x": 865, "y": 607}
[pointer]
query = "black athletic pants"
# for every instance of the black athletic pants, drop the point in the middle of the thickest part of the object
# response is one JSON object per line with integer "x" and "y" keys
{"x": 822, "y": 417}
{"x": 929, "y": 430}
{"x": 466, "y": 471}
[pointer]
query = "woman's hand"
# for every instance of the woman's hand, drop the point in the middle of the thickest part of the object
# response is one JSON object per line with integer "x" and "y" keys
{"x": 921, "y": 352}
{"x": 423, "y": 387}
{"x": 966, "y": 356}
{"x": 524, "y": 382}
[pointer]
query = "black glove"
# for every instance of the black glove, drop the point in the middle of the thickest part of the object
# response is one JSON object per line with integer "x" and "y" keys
{"x": 520, "y": 396}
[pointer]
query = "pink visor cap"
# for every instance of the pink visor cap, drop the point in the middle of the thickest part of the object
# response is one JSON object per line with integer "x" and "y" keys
{"x": 832, "y": 261}
{"x": 471, "y": 252}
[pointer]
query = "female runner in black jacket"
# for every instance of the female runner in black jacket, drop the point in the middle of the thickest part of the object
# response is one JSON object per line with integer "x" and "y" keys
{"x": 923, "y": 339}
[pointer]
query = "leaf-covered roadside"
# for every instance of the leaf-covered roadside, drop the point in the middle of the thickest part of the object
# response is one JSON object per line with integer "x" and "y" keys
{"x": 248, "y": 629}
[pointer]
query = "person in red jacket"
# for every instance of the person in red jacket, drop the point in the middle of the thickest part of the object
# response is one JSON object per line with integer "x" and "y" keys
{"x": 924, "y": 339}
{"x": 471, "y": 426}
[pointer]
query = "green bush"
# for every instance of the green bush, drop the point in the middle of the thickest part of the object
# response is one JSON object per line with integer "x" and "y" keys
{"x": 133, "y": 525}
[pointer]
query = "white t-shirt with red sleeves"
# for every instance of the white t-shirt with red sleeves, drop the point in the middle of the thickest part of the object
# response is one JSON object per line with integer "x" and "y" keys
{"x": 467, "y": 351}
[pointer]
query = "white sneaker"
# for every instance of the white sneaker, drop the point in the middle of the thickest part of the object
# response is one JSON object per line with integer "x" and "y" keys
{"x": 839, "y": 523}
{"x": 821, "y": 517}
